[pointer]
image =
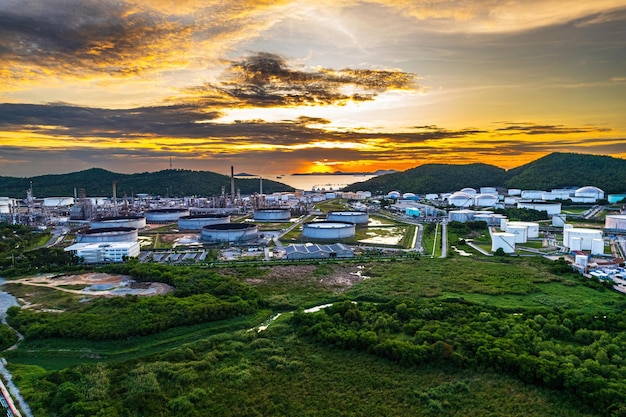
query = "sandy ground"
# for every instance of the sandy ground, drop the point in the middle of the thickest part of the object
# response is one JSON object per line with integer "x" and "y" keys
{"x": 97, "y": 284}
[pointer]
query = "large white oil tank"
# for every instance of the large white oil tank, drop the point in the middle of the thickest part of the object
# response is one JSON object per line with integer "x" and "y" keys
{"x": 488, "y": 190}
{"x": 586, "y": 236}
{"x": 229, "y": 232}
{"x": 165, "y": 215}
{"x": 520, "y": 232}
{"x": 272, "y": 215}
{"x": 486, "y": 200}
{"x": 533, "y": 228}
{"x": 137, "y": 222}
{"x": 328, "y": 230}
{"x": 615, "y": 222}
{"x": 505, "y": 241}
{"x": 198, "y": 221}
{"x": 356, "y": 217}
{"x": 469, "y": 190}
{"x": 461, "y": 199}
{"x": 110, "y": 234}
{"x": 515, "y": 191}
{"x": 532, "y": 194}
{"x": 575, "y": 243}
{"x": 558, "y": 220}
{"x": 462, "y": 216}
{"x": 589, "y": 192}
{"x": 549, "y": 207}
{"x": 597, "y": 247}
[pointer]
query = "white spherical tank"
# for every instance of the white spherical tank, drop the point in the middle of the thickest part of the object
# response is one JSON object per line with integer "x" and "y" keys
{"x": 504, "y": 241}
{"x": 272, "y": 215}
{"x": 137, "y": 222}
{"x": 198, "y": 221}
{"x": 229, "y": 232}
{"x": 111, "y": 234}
{"x": 615, "y": 222}
{"x": 520, "y": 232}
{"x": 597, "y": 247}
{"x": 328, "y": 230}
{"x": 356, "y": 217}
{"x": 165, "y": 215}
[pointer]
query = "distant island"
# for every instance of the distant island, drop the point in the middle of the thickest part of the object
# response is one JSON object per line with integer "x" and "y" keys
{"x": 379, "y": 172}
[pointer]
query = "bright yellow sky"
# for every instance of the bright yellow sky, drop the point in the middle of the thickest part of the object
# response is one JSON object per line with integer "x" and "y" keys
{"x": 300, "y": 86}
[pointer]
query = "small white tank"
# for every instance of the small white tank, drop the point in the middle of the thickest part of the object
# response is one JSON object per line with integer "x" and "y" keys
{"x": 505, "y": 241}
{"x": 581, "y": 260}
{"x": 558, "y": 220}
{"x": 597, "y": 246}
{"x": 576, "y": 243}
{"x": 520, "y": 232}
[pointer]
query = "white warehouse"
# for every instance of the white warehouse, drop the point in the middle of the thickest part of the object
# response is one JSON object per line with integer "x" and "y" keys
{"x": 93, "y": 253}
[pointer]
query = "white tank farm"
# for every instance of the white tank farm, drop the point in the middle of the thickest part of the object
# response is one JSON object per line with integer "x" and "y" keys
{"x": 504, "y": 241}
{"x": 356, "y": 217}
{"x": 328, "y": 230}
{"x": 586, "y": 237}
{"x": 550, "y": 208}
{"x": 520, "y": 232}
{"x": 137, "y": 222}
{"x": 488, "y": 190}
{"x": 165, "y": 215}
{"x": 229, "y": 232}
{"x": 58, "y": 201}
{"x": 615, "y": 222}
{"x": 486, "y": 200}
{"x": 462, "y": 216}
{"x": 597, "y": 247}
{"x": 558, "y": 220}
{"x": 469, "y": 190}
{"x": 272, "y": 215}
{"x": 393, "y": 194}
{"x": 533, "y": 228}
{"x": 461, "y": 199}
{"x": 198, "y": 221}
{"x": 111, "y": 234}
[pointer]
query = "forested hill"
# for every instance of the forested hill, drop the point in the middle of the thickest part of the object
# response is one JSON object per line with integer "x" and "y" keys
{"x": 435, "y": 178}
{"x": 570, "y": 169}
{"x": 99, "y": 182}
{"x": 552, "y": 171}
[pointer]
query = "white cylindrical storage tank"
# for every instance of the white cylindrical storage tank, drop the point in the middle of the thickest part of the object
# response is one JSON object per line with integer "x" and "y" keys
{"x": 558, "y": 220}
{"x": 328, "y": 230}
{"x": 575, "y": 243}
{"x": 515, "y": 191}
{"x": 137, "y": 222}
{"x": 486, "y": 200}
{"x": 461, "y": 199}
{"x": 597, "y": 247}
{"x": 615, "y": 222}
{"x": 198, "y": 221}
{"x": 488, "y": 190}
{"x": 111, "y": 234}
{"x": 550, "y": 208}
{"x": 532, "y": 194}
{"x": 272, "y": 215}
{"x": 393, "y": 194}
{"x": 503, "y": 223}
{"x": 581, "y": 260}
{"x": 356, "y": 217}
{"x": 229, "y": 232}
{"x": 409, "y": 196}
{"x": 58, "y": 201}
{"x": 165, "y": 215}
{"x": 586, "y": 236}
{"x": 461, "y": 216}
{"x": 487, "y": 218}
{"x": 589, "y": 192}
{"x": 330, "y": 196}
{"x": 504, "y": 241}
{"x": 469, "y": 190}
{"x": 533, "y": 228}
{"x": 520, "y": 232}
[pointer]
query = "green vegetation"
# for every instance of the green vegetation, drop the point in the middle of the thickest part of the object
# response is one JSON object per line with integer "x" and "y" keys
{"x": 552, "y": 171}
{"x": 171, "y": 182}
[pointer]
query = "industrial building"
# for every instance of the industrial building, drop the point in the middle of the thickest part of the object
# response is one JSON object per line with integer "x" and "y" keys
{"x": 95, "y": 253}
{"x": 318, "y": 251}
{"x": 326, "y": 230}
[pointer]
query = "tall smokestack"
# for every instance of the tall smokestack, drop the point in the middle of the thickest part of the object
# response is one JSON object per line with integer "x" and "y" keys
{"x": 232, "y": 182}
{"x": 114, "y": 199}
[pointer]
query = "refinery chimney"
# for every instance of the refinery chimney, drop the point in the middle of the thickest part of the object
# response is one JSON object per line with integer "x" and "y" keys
{"x": 232, "y": 182}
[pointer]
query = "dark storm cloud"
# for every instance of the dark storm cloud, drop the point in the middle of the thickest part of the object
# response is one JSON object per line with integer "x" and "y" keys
{"x": 82, "y": 36}
{"x": 265, "y": 80}
{"x": 535, "y": 129}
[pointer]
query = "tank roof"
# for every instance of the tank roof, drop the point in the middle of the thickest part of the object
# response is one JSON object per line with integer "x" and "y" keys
{"x": 230, "y": 226}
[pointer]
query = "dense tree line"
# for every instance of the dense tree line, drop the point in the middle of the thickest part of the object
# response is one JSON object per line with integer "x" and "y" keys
{"x": 582, "y": 354}
{"x": 200, "y": 296}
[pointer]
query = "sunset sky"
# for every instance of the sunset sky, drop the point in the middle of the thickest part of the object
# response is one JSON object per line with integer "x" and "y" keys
{"x": 307, "y": 86}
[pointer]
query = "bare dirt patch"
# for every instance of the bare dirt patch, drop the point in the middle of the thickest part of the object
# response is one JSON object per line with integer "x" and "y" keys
{"x": 338, "y": 277}
{"x": 97, "y": 284}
